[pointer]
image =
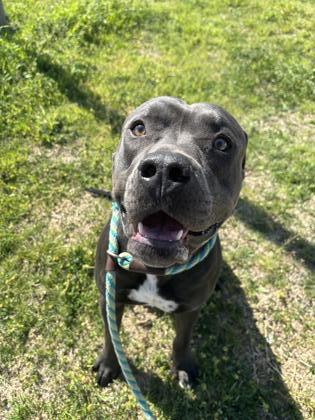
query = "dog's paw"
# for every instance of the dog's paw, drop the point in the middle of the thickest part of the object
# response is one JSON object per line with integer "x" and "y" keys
{"x": 186, "y": 373}
{"x": 105, "y": 372}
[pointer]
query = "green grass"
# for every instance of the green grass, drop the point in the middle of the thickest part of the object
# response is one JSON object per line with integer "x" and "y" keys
{"x": 70, "y": 71}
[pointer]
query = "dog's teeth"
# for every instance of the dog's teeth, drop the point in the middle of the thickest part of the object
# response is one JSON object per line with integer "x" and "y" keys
{"x": 179, "y": 234}
{"x": 141, "y": 228}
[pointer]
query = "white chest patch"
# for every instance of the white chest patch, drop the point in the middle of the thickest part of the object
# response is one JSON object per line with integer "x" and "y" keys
{"x": 148, "y": 293}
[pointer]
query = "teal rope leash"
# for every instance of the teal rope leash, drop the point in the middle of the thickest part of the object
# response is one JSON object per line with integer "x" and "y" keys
{"x": 111, "y": 318}
{"x": 124, "y": 260}
{"x": 114, "y": 333}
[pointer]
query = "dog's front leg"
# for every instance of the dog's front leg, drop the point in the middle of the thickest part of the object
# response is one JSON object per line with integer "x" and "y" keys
{"x": 106, "y": 365}
{"x": 184, "y": 364}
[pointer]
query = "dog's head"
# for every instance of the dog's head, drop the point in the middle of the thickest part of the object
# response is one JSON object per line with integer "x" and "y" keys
{"x": 177, "y": 174}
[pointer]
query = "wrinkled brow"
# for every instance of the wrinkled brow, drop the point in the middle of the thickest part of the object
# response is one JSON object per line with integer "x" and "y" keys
{"x": 209, "y": 121}
{"x": 160, "y": 114}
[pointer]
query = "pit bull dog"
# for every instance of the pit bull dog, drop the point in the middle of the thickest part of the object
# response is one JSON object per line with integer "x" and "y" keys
{"x": 177, "y": 175}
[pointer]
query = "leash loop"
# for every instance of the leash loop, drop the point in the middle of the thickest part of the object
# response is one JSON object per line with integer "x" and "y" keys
{"x": 124, "y": 260}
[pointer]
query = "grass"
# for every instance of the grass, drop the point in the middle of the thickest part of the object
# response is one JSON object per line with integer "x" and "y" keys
{"x": 70, "y": 72}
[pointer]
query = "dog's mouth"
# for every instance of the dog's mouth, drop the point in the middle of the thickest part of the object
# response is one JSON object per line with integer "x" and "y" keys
{"x": 159, "y": 240}
{"x": 160, "y": 229}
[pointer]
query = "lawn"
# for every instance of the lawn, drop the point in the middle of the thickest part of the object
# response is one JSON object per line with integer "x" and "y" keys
{"x": 70, "y": 71}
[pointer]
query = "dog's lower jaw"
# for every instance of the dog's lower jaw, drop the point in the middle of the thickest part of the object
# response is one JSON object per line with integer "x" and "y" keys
{"x": 158, "y": 257}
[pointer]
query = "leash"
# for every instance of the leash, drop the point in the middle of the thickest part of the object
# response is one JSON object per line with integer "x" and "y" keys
{"x": 127, "y": 262}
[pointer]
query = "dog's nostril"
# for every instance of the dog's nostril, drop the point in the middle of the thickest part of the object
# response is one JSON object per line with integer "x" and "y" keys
{"x": 178, "y": 174}
{"x": 148, "y": 170}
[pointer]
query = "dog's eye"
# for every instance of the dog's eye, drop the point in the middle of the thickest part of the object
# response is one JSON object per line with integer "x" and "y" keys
{"x": 138, "y": 129}
{"x": 222, "y": 144}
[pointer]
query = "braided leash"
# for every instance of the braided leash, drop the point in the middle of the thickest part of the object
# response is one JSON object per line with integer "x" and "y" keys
{"x": 124, "y": 260}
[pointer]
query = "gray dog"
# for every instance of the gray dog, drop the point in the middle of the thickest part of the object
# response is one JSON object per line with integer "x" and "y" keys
{"x": 177, "y": 175}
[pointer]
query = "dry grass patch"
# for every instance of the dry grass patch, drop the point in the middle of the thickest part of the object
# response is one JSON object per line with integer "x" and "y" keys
{"x": 75, "y": 219}
{"x": 292, "y": 124}
{"x": 56, "y": 153}
{"x": 302, "y": 219}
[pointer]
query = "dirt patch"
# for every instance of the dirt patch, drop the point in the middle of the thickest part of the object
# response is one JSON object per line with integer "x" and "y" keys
{"x": 290, "y": 123}
{"x": 302, "y": 219}
{"x": 77, "y": 217}
{"x": 60, "y": 153}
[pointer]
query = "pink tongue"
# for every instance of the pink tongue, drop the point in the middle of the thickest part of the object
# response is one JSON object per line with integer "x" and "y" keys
{"x": 160, "y": 226}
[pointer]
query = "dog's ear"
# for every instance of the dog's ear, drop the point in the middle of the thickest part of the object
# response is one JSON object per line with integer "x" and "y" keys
{"x": 246, "y": 136}
{"x": 244, "y": 158}
{"x": 243, "y": 165}
{"x": 113, "y": 159}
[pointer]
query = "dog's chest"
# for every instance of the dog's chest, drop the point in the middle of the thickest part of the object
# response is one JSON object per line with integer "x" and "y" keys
{"x": 148, "y": 293}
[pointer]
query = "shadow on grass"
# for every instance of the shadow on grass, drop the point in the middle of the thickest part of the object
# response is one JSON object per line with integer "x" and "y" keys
{"x": 85, "y": 98}
{"x": 68, "y": 84}
{"x": 240, "y": 377}
{"x": 258, "y": 219}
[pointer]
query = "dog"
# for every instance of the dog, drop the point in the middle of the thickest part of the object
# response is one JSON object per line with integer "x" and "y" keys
{"x": 177, "y": 175}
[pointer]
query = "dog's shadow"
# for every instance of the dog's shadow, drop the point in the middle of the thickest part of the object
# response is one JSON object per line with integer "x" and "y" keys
{"x": 240, "y": 377}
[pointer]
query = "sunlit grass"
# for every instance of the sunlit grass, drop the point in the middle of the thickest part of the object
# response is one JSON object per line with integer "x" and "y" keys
{"x": 70, "y": 73}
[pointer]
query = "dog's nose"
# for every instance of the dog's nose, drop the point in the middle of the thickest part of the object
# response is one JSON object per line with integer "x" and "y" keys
{"x": 168, "y": 170}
